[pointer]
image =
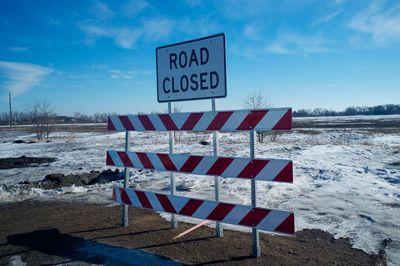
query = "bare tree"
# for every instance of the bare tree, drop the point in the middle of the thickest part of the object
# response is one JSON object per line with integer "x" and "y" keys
{"x": 256, "y": 100}
{"x": 42, "y": 117}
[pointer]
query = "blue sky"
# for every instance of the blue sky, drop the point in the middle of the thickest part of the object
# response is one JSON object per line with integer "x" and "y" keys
{"x": 99, "y": 56}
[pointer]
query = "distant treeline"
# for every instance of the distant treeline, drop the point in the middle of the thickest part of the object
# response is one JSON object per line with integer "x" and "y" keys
{"x": 20, "y": 118}
{"x": 387, "y": 109}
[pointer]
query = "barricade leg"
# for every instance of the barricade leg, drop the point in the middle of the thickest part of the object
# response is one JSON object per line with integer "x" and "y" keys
{"x": 255, "y": 234}
{"x": 125, "y": 219}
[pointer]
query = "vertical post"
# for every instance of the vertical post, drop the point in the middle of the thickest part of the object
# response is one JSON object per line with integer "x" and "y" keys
{"x": 9, "y": 101}
{"x": 219, "y": 231}
{"x": 174, "y": 223}
{"x": 255, "y": 235}
{"x": 125, "y": 219}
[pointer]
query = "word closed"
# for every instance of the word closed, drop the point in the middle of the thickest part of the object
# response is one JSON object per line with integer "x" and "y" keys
{"x": 192, "y": 70}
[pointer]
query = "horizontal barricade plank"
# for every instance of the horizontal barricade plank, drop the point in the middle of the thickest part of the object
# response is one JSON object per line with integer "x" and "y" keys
{"x": 239, "y": 120}
{"x": 259, "y": 169}
{"x": 263, "y": 219}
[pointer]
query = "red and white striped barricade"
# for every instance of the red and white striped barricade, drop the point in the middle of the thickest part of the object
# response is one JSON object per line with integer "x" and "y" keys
{"x": 259, "y": 169}
{"x": 277, "y": 170}
{"x": 263, "y": 219}
{"x": 240, "y": 120}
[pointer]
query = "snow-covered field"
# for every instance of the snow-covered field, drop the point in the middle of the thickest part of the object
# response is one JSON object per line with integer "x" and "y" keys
{"x": 346, "y": 180}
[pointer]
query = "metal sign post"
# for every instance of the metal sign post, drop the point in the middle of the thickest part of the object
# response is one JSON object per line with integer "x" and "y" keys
{"x": 174, "y": 223}
{"x": 255, "y": 235}
{"x": 125, "y": 219}
{"x": 219, "y": 232}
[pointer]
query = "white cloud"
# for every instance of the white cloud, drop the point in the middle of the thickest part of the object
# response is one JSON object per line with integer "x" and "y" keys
{"x": 18, "y": 49}
{"x": 291, "y": 43}
{"x": 328, "y": 17}
{"x": 101, "y": 10}
{"x": 21, "y": 77}
{"x": 126, "y": 37}
{"x": 382, "y": 26}
{"x": 128, "y": 74}
{"x": 134, "y": 7}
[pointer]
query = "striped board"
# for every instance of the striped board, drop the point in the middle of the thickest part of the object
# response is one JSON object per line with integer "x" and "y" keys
{"x": 259, "y": 169}
{"x": 263, "y": 219}
{"x": 239, "y": 120}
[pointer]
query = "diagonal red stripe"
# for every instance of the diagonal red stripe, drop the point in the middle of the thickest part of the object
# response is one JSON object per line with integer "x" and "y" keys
{"x": 191, "y": 207}
{"x": 219, "y": 213}
{"x": 219, "y": 166}
{"x": 286, "y": 226}
{"x": 143, "y": 199}
{"x": 285, "y": 123}
{"x": 165, "y": 203}
{"x": 125, "y": 159}
{"x": 252, "y": 119}
{"x": 144, "y": 159}
{"x": 219, "y": 120}
{"x": 109, "y": 160}
{"x": 191, "y": 121}
{"x": 168, "y": 122}
{"x": 253, "y": 168}
{"x": 191, "y": 163}
{"x": 126, "y": 122}
{"x": 286, "y": 174}
{"x": 254, "y": 217}
{"x": 110, "y": 125}
{"x": 124, "y": 197}
{"x": 166, "y": 161}
{"x": 147, "y": 124}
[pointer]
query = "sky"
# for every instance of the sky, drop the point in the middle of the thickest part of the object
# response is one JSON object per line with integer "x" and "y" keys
{"x": 95, "y": 56}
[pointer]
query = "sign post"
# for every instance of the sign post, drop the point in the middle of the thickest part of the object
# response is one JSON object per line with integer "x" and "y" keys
{"x": 255, "y": 235}
{"x": 174, "y": 223}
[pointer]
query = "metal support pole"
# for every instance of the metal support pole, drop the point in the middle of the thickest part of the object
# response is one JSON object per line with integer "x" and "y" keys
{"x": 125, "y": 219}
{"x": 9, "y": 101}
{"x": 219, "y": 231}
{"x": 174, "y": 223}
{"x": 255, "y": 235}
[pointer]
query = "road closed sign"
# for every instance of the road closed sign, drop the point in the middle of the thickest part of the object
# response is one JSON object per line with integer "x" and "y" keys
{"x": 192, "y": 70}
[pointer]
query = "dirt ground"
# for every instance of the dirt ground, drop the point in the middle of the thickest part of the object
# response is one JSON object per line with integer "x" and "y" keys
{"x": 45, "y": 233}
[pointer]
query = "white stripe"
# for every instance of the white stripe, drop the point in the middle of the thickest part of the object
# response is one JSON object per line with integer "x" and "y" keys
{"x": 179, "y": 160}
{"x": 117, "y": 123}
{"x": 236, "y": 166}
{"x": 179, "y": 119}
{"x": 272, "y": 169}
{"x": 272, "y": 220}
{"x": 205, "y": 209}
{"x": 136, "y": 123}
{"x": 204, "y": 121}
{"x": 117, "y": 195}
{"x": 133, "y": 197}
{"x": 158, "y": 165}
{"x": 236, "y": 214}
{"x": 178, "y": 202}
{"x": 235, "y": 120}
{"x": 135, "y": 160}
{"x": 157, "y": 123}
{"x": 205, "y": 165}
{"x": 270, "y": 120}
{"x": 154, "y": 201}
{"x": 114, "y": 156}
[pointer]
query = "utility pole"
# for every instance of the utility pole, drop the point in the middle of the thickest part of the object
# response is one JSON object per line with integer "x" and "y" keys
{"x": 9, "y": 100}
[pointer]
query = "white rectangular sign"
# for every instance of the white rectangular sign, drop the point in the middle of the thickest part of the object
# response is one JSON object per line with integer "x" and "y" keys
{"x": 191, "y": 70}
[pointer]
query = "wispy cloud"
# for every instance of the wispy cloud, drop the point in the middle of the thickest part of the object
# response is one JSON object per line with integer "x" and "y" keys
{"x": 21, "y": 77}
{"x": 291, "y": 43}
{"x": 380, "y": 24}
{"x": 101, "y": 10}
{"x": 134, "y": 7}
{"x": 128, "y": 74}
{"x": 126, "y": 37}
{"x": 17, "y": 49}
{"x": 328, "y": 17}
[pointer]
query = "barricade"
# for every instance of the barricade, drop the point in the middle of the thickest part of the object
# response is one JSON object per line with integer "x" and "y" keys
{"x": 260, "y": 169}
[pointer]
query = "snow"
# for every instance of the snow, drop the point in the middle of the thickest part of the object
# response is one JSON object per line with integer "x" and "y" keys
{"x": 345, "y": 181}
